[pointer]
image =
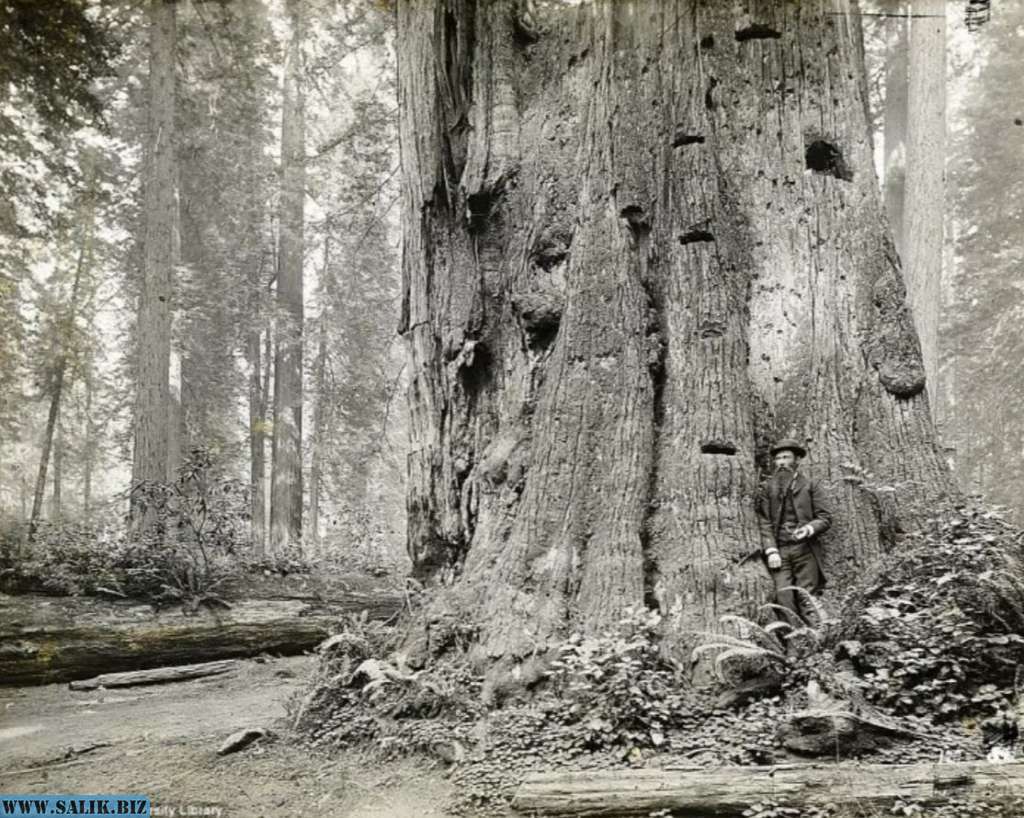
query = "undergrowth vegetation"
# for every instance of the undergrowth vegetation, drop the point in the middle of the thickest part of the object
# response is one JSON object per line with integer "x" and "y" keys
{"x": 196, "y": 533}
{"x": 940, "y": 630}
{"x": 197, "y": 540}
{"x": 937, "y": 624}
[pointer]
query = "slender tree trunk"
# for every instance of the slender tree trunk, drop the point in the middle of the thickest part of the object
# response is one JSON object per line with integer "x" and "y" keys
{"x": 895, "y": 121}
{"x": 56, "y": 509}
{"x": 926, "y": 173}
{"x": 154, "y": 417}
{"x": 57, "y": 388}
{"x": 89, "y": 447}
{"x": 87, "y": 221}
{"x": 286, "y": 468}
{"x": 321, "y": 410}
{"x": 319, "y": 421}
{"x": 257, "y": 443}
{"x": 640, "y": 241}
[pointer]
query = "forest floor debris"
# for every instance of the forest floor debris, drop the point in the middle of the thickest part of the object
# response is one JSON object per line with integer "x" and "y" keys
{"x": 163, "y": 743}
{"x": 926, "y": 650}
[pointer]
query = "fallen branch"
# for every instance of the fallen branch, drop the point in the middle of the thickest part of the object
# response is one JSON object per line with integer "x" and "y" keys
{"x": 159, "y": 675}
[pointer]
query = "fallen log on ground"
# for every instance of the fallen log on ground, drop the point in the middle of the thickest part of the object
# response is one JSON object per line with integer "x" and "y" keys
{"x": 155, "y": 676}
{"x": 728, "y": 791}
{"x": 59, "y": 639}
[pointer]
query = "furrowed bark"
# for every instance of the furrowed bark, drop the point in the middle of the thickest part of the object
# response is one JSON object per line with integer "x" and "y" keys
{"x": 642, "y": 240}
{"x": 154, "y": 414}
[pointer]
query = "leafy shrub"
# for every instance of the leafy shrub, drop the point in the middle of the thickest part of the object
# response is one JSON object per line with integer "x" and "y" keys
{"x": 196, "y": 530}
{"x": 938, "y": 628}
{"x": 72, "y": 557}
{"x": 196, "y": 534}
{"x": 616, "y": 689}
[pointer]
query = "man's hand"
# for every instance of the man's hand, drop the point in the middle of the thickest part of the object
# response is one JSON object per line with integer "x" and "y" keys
{"x": 774, "y": 560}
{"x": 803, "y": 532}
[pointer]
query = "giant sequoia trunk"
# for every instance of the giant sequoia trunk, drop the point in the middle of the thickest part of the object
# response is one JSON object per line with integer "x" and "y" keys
{"x": 641, "y": 240}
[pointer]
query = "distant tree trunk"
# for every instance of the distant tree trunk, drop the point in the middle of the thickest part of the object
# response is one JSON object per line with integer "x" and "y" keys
{"x": 320, "y": 411}
{"x": 895, "y": 128}
{"x": 65, "y": 330}
{"x": 257, "y": 443}
{"x": 154, "y": 415}
{"x": 926, "y": 172}
{"x": 319, "y": 417}
{"x": 286, "y": 468}
{"x": 56, "y": 509}
{"x": 88, "y": 448}
{"x": 640, "y": 241}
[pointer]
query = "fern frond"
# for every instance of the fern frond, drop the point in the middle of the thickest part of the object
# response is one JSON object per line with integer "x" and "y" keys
{"x": 820, "y": 614}
{"x": 794, "y": 619}
{"x": 727, "y": 639}
{"x": 707, "y": 647}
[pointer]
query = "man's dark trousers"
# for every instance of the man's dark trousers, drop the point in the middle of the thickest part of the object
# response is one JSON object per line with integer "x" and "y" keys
{"x": 799, "y": 568}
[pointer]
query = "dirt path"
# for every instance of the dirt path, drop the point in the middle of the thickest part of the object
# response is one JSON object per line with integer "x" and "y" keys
{"x": 161, "y": 741}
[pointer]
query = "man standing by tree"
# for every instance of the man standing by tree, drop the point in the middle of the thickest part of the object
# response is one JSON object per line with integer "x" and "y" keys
{"x": 797, "y": 510}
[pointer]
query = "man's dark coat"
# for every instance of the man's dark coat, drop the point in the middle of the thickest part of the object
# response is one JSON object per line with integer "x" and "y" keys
{"x": 809, "y": 502}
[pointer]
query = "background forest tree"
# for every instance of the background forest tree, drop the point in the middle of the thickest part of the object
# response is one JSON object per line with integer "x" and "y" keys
{"x": 75, "y": 245}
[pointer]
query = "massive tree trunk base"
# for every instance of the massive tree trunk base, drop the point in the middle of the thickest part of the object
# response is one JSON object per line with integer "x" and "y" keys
{"x": 728, "y": 791}
{"x": 641, "y": 241}
{"x": 45, "y": 640}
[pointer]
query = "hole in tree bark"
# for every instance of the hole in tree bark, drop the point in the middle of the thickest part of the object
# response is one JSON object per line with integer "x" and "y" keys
{"x": 709, "y": 95}
{"x": 712, "y": 329}
{"x": 478, "y": 210}
{"x": 542, "y": 335}
{"x": 636, "y": 218}
{"x": 692, "y": 236}
{"x": 475, "y": 371}
{"x": 824, "y": 157}
{"x": 757, "y": 31}
{"x": 682, "y": 138}
{"x": 707, "y": 42}
{"x": 718, "y": 447}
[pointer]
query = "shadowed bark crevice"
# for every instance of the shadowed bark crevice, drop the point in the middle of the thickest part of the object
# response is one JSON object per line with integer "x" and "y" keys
{"x": 827, "y": 158}
{"x": 682, "y": 138}
{"x": 757, "y": 31}
{"x": 696, "y": 235}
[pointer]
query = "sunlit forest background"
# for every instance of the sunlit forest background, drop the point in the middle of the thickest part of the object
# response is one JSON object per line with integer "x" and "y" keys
{"x": 261, "y": 98}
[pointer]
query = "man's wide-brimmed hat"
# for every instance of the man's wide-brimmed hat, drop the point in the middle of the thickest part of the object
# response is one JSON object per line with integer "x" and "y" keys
{"x": 791, "y": 445}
